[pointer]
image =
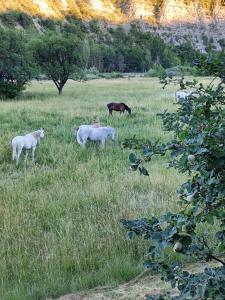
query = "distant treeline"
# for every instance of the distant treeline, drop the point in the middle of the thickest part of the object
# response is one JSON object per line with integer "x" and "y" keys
{"x": 31, "y": 48}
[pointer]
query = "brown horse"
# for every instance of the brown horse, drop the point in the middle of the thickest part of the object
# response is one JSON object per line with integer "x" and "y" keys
{"x": 118, "y": 107}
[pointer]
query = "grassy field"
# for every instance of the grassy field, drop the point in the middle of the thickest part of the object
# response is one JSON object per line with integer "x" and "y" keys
{"x": 59, "y": 216}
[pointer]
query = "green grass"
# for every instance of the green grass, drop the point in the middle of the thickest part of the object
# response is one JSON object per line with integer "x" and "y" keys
{"x": 59, "y": 216}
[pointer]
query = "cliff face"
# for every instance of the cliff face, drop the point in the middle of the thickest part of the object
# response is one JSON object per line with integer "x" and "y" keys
{"x": 164, "y": 12}
{"x": 200, "y": 21}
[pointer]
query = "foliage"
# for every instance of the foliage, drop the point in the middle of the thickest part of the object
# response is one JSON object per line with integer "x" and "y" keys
{"x": 111, "y": 50}
{"x": 197, "y": 149}
{"x": 13, "y": 18}
{"x": 15, "y": 63}
{"x": 187, "y": 53}
{"x": 133, "y": 51}
{"x": 156, "y": 71}
{"x": 60, "y": 56}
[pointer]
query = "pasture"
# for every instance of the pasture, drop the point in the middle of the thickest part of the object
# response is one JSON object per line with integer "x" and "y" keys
{"x": 59, "y": 216}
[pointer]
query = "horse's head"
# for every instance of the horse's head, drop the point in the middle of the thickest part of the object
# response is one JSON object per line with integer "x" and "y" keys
{"x": 112, "y": 133}
{"x": 127, "y": 108}
{"x": 41, "y": 133}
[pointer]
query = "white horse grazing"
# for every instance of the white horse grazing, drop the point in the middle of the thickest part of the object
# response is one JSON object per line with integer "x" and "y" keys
{"x": 182, "y": 95}
{"x": 101, "y": 134}
{"x": 27, "y": 142}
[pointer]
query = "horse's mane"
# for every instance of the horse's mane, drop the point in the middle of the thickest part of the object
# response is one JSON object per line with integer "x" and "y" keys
{"x": 126, "y": 106}
{"x": 36, "y": 134}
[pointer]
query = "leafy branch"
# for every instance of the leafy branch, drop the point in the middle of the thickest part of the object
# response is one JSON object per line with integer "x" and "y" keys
{"x": 197, "y": 149}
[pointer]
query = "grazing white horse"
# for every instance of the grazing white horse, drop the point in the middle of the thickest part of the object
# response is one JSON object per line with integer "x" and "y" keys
{"x": 27, "y": 142}
{"x": 182, "y": 95}
{"x": 101, "y": 134}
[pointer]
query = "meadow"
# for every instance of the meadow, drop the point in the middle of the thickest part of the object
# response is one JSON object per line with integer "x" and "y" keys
{"x": 59, "y": 216}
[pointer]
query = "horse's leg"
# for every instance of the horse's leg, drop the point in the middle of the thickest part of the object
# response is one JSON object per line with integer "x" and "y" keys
{"x": 26, "y": 155}
{"x": 110, "y": 112}
{"x": 33, "y": 152}
{"x": 19, "y": 150}
{"x": 103, "y": 143}
{"x": 83, "y": 145}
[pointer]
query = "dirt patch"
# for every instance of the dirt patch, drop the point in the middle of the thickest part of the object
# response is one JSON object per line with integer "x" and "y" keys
{"x": 136, "y": 289}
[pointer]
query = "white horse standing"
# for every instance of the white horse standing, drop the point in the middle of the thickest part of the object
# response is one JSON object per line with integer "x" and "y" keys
{"x": 182, "y": 95}
{"x": 101, "y": 134}
{"x": 27, "y": 142}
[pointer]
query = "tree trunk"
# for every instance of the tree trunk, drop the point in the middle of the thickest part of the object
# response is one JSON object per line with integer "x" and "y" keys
{"x": 60, "y": 88}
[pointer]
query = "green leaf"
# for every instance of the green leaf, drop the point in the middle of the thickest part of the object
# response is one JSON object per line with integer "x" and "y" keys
{"x": 209, "y": 219}
{"x": 132, "y": 158}
{"x": 221, "y": 248}
{"x": 143, "y": 171}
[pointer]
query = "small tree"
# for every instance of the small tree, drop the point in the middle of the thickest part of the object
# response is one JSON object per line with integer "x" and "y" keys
{"x": 198, "y": 150}
{"x": 60, "y": 56}
{"x": 15, "y": 63}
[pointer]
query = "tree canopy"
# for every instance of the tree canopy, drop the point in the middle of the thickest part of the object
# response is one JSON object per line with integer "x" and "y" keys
{"x": 60, "y": 56}
{"x": 15, "y": 63}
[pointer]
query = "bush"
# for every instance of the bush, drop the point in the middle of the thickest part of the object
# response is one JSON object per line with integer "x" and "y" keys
{"x": 15, "y": 63}
{"x": 10, "y": 90}
{"x": 48, "y": 24}
{"x": 112, "y": 75}
{"x": 13, "y": 18}
{"x": 93, "y": 73}
{"x": 185, "y": 70}
{"x": 24, "y": 20}
{"x": 156, "y": 71}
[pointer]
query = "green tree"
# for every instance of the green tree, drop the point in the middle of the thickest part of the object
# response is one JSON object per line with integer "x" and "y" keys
{"x": 197, "y": 149}
{"x": 15, "y": 63}
{"x": 96, "y": 58}
{"x": 60, "y": 56}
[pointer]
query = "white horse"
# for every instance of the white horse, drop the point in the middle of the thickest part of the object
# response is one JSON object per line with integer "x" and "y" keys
{"x": 101, "y": 134}
{"x": 182, "y": 95}
{"x": 27, "y": 142}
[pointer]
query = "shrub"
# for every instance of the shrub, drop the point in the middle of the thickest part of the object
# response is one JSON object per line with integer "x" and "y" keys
{"x": 10, "y": 90}
{"x": 15, "y": 63}
{"x": 156, "y": 71}
{"x": 14, "y": 17}
{"x": 112, "y": 75}
{"x": 48, "y": 24}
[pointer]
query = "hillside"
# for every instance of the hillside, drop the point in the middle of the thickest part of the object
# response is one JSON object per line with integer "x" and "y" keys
{"x": 153, "y": 11}
{"x": 202, "y": 22}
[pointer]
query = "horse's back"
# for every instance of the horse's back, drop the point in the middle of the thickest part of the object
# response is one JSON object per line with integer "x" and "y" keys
{"x": 17, "y": 142}
{"x": 17, "y": 139}
{"x": 182, "y": 94}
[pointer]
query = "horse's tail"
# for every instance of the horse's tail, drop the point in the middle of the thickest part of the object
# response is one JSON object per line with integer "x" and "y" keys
{"x": 14, "y": 148}
{"x": 78, "y": 137}
{"x": 127, "y": 108}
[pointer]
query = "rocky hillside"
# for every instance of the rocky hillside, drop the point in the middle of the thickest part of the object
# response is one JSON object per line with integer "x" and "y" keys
{"x": 153, "y": 11}
{"x": 176, "y": 21}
